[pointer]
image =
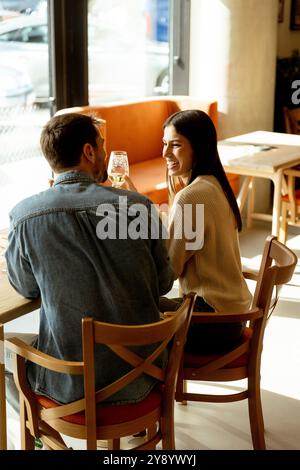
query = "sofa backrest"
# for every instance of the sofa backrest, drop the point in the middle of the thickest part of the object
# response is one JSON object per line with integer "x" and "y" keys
{"x": 136, "y": 126}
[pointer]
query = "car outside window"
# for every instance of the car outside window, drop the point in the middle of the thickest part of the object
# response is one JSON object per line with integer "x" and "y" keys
{"x": 37, "y": 34}
{"x": 15, "y": 35}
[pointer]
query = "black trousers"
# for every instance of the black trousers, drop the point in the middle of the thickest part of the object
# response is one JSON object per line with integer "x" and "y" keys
{"x": 206, "y": 338}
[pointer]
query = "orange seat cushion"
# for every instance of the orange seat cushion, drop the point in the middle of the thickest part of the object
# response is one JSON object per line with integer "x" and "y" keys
{"x": 297, "y": 196}
{"x": 150, "y": 179}
{"x": 137, "y": 127}
{"x": 194, "y": 360}
{"x": 114, "y": 414}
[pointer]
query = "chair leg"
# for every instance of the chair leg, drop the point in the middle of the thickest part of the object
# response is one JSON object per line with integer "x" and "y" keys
{"x": 52, "y": 438}
{"x": 168, "y": 440}
{"x": 283, "y": 229}
{"x": 250, "y": 205}
{"x": 167, "y": 427}
{"x": 184, "y": 386}
{"x": 256, "y": 416}
{"x": 113, "y": 444}
{"x": 27, "y": 440}
{"x": 181, "y": 388}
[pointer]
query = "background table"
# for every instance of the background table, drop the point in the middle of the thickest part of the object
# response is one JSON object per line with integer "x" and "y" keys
{"x": 260, "y": 154}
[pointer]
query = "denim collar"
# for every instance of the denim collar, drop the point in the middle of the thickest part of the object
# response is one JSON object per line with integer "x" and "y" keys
{"x": 73, "y": 176}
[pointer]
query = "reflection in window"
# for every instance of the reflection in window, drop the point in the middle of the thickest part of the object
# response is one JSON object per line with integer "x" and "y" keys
{"x": 128, "y": 49}
{"x": 36, "y": 34}
{"x": 24, "y": 92}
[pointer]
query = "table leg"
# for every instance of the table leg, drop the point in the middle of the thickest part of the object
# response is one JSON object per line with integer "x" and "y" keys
{"x": 277, "y": 180}
{"x": 250, "y": 203}
{"x": 243, "y": 193}
{"x": 3, "y": 437}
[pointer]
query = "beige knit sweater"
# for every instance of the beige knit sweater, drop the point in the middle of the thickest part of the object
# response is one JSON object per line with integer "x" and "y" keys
{"x": 214, "y": 270}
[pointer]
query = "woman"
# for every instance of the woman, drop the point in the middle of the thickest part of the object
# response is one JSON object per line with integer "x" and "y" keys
{"x": 212, "y": 267}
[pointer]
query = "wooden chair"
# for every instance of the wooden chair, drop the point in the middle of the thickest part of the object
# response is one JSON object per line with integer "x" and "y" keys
{"x": 87, "y": 418}
{"x": 243, "y": 361}
{"x": 291, "y": 120}
{"x": 290, "y": 203}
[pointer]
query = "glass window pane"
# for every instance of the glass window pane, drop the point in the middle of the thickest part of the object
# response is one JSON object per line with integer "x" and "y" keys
{"x": 128, "y": 49}
{"x": 24, "y": 98}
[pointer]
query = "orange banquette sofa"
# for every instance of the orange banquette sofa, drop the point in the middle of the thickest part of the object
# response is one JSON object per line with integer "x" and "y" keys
{"x": 137, "y": 127}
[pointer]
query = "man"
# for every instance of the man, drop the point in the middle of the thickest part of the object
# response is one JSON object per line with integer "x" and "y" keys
{"x": 59, "y": 250}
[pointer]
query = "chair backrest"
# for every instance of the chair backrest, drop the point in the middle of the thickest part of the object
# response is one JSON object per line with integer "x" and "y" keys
{"x": 244, "y": 359}
{"x": 292, "y": 120}
{"x": 120, "y": 339}
{"x": 291, "y": 174}
{"x": 276, "y": 268}
{"x": 136, "y": 126}
{"x": 292, "y": 126}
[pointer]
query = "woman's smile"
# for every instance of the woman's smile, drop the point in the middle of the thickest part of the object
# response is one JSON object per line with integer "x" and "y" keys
{"x": 177, "y": 152}
{"x": 172, "y": 164}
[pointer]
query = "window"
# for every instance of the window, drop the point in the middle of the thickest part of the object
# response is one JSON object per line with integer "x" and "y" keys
{"x": 24, "y": 92}
{"x": 128, "y": 49}
{"x": 29, "y": 34}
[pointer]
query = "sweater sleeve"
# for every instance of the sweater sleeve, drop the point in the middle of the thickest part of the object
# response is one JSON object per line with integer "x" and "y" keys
{"x": 186, "y": 230}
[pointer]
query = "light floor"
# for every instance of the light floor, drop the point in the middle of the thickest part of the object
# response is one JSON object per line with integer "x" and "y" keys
{"x": 226, "y": 426}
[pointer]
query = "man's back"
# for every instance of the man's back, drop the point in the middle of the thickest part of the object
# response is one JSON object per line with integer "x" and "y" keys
{"x": 56, "y": 252}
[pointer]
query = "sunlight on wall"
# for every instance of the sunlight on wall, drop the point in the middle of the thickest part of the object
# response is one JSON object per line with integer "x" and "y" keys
{"x": 207, "y": 17}
{"x": 232, "y": 60}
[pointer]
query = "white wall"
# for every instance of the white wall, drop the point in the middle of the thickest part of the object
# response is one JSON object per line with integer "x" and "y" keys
{"x": 288, "y": 40}
{"x": 232, "y": 60}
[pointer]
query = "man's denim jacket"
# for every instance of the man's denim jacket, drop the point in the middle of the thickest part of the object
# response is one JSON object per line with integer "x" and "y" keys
{"x": 69, "y": 246}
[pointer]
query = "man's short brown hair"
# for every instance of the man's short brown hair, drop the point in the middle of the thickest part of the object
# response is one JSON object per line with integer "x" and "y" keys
{"x": 64, "y": 136}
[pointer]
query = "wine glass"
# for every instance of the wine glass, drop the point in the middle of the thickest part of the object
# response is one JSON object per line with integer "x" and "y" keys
{"x": 118, "y": 167}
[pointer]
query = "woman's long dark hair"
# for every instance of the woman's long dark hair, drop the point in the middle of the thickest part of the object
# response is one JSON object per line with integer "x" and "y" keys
{"x": 198, "y": 128}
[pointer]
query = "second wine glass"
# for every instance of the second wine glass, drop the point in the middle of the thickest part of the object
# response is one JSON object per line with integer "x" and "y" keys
{"x": 118, "y": 167}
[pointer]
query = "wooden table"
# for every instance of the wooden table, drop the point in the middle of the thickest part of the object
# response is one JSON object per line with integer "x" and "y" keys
{"x": 12, "y": 306}
{"x": 265, "y": 155}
